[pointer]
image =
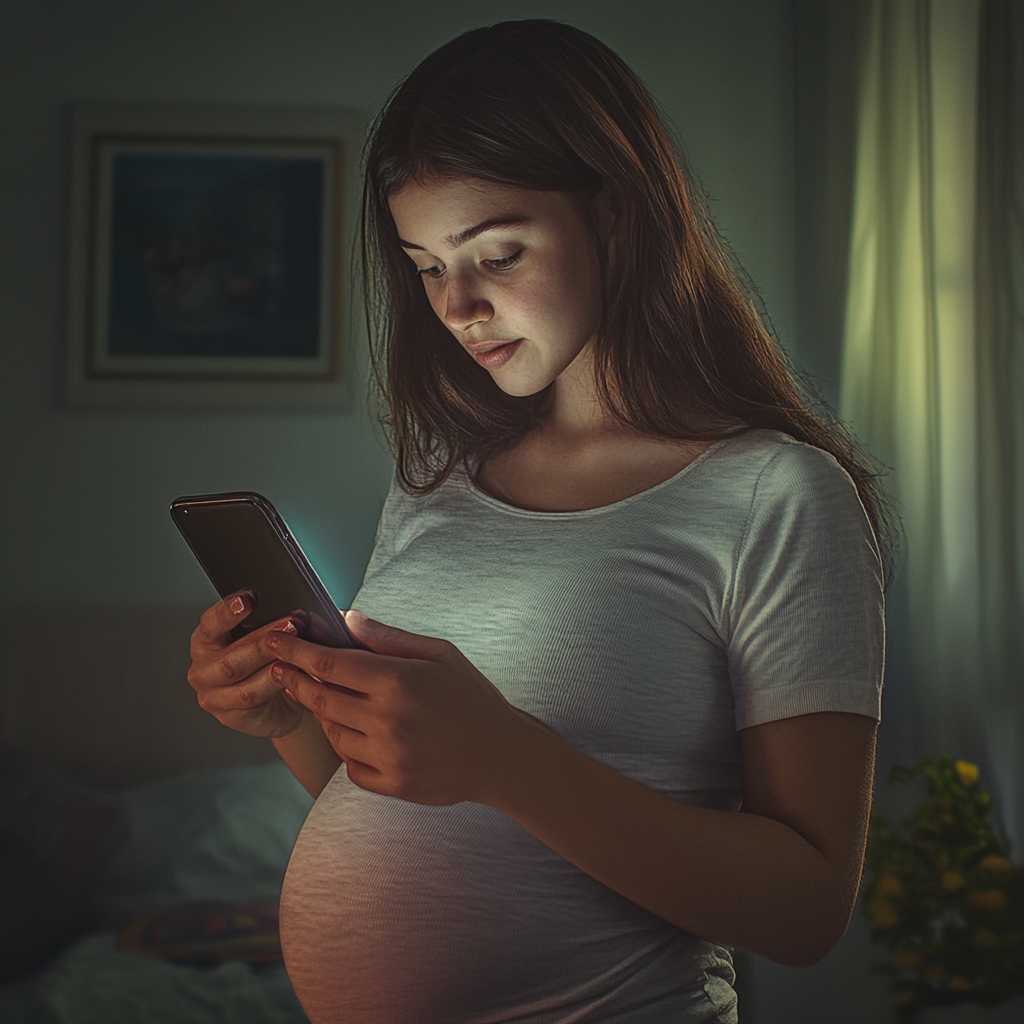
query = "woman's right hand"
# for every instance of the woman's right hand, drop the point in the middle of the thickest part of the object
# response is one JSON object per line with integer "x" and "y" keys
{"x": 232, "y": 678}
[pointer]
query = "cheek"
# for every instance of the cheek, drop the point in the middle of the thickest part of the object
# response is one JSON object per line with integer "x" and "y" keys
{"x": 573, "y": 288}
{"x": 570, "y": 303}
{"x": 548, "y": 291}
{"x": 435, "y": 296}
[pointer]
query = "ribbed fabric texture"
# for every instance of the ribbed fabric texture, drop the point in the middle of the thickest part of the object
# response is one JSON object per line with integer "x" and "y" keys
{"x": 745, "y": 589}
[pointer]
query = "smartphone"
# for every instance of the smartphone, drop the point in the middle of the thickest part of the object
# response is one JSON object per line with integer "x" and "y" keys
{"x": 243, "y": 544}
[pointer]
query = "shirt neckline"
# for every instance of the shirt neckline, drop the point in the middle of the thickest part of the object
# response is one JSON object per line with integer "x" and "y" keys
{"x": 502, "y": 506}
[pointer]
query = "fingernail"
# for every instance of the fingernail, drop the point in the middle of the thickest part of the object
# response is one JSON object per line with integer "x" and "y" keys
{"x": 278, "y": 673}
{"x": 291, "y": 696}
{"x": 237, "y": 605}
{"x": 273, "y": 639}
{"x": 288, "y": 627}
{"x": 352, "y": 613}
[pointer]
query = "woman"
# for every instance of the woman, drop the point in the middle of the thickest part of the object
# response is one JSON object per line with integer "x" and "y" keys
{"x": 621, "y": 716}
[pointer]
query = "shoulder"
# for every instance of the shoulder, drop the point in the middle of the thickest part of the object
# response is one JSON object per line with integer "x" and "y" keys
{"x": 803, "y": 517}
{"x": 781, "y": 478}
{"x": 804, "y": 510}
{"x": 768, "y": 458}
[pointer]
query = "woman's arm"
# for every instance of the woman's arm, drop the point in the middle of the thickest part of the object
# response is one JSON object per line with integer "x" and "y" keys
{"x": 415, "y": 720}
{"x": 778, "y": 879}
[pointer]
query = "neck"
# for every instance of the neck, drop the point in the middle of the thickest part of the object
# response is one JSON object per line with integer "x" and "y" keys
{"x": 576, "y": 413}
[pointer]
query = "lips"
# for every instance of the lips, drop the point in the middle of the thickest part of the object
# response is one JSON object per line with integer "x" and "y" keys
{"x": 492, "y": 354}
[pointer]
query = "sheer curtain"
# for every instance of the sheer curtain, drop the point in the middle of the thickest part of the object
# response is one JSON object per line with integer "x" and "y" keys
{"x": 933, "y": 359}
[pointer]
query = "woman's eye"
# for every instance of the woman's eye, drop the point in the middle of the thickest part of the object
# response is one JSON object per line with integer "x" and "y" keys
{"x": 505, "y": 262}
{"x": 499, "y": 263}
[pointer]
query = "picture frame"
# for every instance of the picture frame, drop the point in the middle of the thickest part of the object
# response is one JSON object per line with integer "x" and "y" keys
{"x": 209, "y": 256}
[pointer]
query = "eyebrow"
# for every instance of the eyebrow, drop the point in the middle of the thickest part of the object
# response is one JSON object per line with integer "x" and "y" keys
{"x": 507, "y": 220}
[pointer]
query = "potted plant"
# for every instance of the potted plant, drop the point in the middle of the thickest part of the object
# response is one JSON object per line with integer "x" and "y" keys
{"x": 943, "y": 896}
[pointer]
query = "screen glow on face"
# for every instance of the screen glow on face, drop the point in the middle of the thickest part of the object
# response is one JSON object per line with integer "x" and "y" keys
{"x": 512, "y": 274}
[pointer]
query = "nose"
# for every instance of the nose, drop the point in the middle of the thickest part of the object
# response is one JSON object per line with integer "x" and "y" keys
{"x": 464, "y": 305}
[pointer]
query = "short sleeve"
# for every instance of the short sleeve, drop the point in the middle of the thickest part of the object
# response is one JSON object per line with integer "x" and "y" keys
{"x": 806, "y": 623}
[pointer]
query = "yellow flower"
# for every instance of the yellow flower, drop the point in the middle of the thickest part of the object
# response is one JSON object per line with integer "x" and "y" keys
{"x": 889, "y": 885}
{"x": 989, "y": 899}
{"x": 906, "y": 959}
{"x": 935, "y": 973}
{"x": 996, "y": 863}
{"x": 951, "y": 881}
{"x": 882, "y": 912}
{"x": 986, "y": 938}
{"x": 968, "y": 772}
{"x": 958, "y": 984}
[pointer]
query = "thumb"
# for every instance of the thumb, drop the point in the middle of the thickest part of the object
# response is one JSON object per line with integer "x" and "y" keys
{"x": 391, "y": 640}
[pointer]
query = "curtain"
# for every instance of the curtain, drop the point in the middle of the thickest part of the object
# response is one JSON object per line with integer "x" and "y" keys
{"x": 933, "y": 355}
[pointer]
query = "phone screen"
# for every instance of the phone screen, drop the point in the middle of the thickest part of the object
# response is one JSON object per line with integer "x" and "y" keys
{"x": 243, "y": 544}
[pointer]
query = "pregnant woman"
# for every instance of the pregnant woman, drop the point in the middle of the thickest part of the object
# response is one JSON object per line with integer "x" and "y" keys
{"x": 617, "y": 712}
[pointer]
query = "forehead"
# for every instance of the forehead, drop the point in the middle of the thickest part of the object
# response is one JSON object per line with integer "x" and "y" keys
{"x": 435, "y": 211}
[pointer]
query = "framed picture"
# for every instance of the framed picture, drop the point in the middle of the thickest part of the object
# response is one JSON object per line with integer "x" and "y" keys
{"x": 209, "y": 264}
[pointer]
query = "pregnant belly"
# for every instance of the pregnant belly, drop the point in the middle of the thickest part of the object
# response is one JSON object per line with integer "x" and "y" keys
{"x": 392, "y": 912}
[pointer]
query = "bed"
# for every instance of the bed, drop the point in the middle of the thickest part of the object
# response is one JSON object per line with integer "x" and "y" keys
{"x": 88, "y": 872}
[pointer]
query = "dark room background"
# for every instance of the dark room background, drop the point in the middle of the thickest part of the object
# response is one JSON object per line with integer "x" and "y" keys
{"x": 99, "y": 594}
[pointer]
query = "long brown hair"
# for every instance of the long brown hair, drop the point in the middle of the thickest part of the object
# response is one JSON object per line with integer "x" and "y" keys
{"x": 681, "y": 352}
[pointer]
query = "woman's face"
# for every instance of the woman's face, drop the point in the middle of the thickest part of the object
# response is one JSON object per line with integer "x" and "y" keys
{"x": 510, "y": 272}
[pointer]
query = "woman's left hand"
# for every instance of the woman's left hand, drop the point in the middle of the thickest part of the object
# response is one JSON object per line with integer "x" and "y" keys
{"x": 410, "y": 716}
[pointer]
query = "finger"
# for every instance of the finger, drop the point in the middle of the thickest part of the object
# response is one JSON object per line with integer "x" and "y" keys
{"x": 328, "y": 702}
{"x": 251, "y": 692}
{"x": 384, "y": 639}
{"x": 363, "y": 775}
{"x": 335, "y": 710}
{"x": 216, "y": 623}
{"x": 235, "y": 662}
{"x": 342, "y": 666}
{"x": 351, "y": 746}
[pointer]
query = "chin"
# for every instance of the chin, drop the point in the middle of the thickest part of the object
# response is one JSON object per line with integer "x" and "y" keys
{"x": 531, "y": 377}
{"x": 521, "y": 388}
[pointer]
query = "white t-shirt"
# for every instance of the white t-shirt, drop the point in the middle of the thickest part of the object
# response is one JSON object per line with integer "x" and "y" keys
{"x": 745, "y": 589}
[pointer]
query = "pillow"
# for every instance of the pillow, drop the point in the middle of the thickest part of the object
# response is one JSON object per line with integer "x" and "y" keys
{"x": 55, "y": 836}
{"x": 224, "y": 834}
